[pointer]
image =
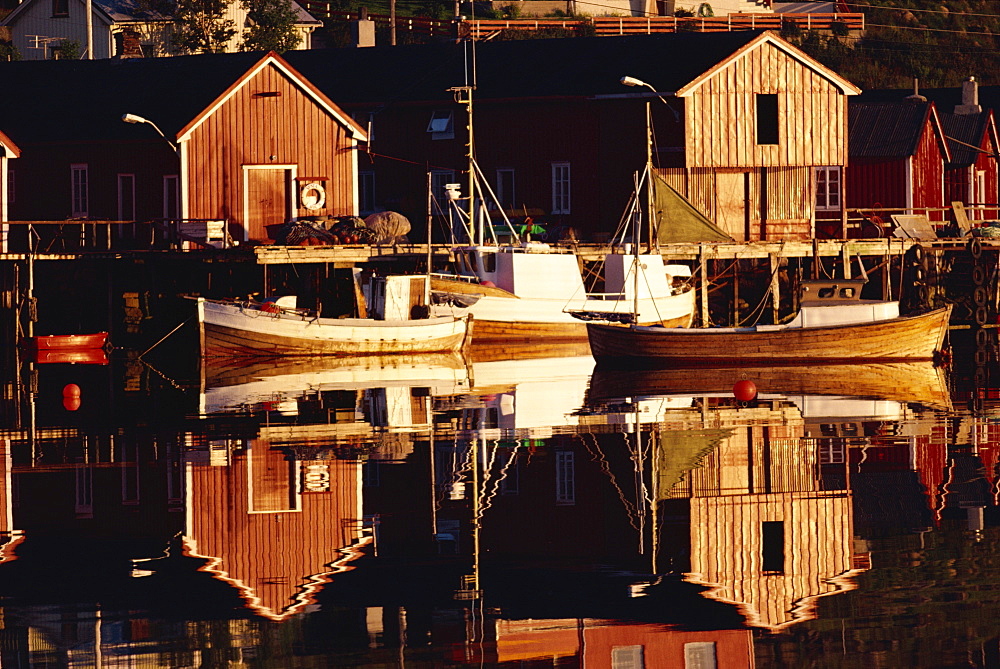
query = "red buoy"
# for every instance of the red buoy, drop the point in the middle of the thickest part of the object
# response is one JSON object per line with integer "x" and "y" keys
{"x": 71, "y": 403}
{"x": 745, "y": 390}
{"x": 488, "y": 284}
{"x": 71, "y": 390}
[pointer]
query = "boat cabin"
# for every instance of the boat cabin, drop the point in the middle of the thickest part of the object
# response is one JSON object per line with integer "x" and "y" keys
{"x": 838, "y": 301}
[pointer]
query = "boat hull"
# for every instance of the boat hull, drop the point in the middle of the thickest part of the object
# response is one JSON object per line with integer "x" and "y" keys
{"x": 500, "y": 316}
{"x": 234, "y": 330}
{"x": 905, "y": 338}
{"x": 96, "y": 340}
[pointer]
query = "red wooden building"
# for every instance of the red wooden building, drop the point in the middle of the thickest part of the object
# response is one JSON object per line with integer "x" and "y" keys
{"x": 971, "y": 175}
{"x": 226, "y": 137}
{"x": 898, "y": 154}
{"x": 8, "y": 190}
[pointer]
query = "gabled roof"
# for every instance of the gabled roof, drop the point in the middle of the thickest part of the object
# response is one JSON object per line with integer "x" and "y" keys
{"x": 518, "y": 69}
{"x": 8, "y": 149}
{"x": 965, "y": 131}
{"x": 85, "y": 100}
{"x": 891, "y": 130}
{"x": 135, "y": 11}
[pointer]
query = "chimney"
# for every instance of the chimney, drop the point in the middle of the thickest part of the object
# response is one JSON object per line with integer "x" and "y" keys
{"x": 970, "y": 98}
{"x": 916, "y": 97}
{"x": 363, "y": 30}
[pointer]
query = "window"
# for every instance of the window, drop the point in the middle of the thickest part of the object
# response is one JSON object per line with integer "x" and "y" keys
{"x": 78, "y": 179}
{"x": 827, "y": 188}
{"x": 442, "y": 125}
{"x": 60, "y": 8}
{"x": 126, "y": 197}
{"x": 767, "y": 118}
{"x": 171, "y": 198}
{"x": 565, "y": 478}
{"x": 700, "y": 655}
{"x": 366, "y": 192}
{"x": 627, "y": 657}
{"x": 560, "y": 188}
{"x": 439, "y": 179}
{"x": 505, "y": 188}
{"x": 773, "y": 547}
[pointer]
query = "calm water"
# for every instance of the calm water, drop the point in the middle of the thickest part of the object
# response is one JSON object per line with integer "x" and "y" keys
{"x": 534, "y": 513}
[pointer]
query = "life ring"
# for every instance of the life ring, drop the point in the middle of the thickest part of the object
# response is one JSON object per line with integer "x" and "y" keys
{"x": 313, "y": 195}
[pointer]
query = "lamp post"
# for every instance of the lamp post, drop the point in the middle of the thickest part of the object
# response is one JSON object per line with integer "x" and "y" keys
{"x": 133, "y": 118}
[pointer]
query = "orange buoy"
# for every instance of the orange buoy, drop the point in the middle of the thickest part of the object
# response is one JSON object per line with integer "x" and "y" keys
{"x": 71, "y": 403}
{"x": 71, "y": 390}
{"x": 745, "y": 390}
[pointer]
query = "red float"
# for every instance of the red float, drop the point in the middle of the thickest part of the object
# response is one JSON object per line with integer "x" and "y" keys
{"x": 745, "y": 390}
{"x": 71, "y": 390}
{"x": 71, "y": 403}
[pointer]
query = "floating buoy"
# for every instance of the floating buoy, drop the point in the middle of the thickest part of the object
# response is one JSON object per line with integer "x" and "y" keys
{"x": 745, "y": 390}
{"x": 71, "y": 390}
{"x": 71, "y": 402}
{"x": 488, "y": 284}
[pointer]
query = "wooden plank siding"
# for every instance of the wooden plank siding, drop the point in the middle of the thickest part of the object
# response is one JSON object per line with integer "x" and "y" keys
{"x": 276, "y": 557}
{"x": 927, "y": 173}
{"x": 286, "y": 129}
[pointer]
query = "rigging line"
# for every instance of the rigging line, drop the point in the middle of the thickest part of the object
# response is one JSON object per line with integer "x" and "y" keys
{"x": 910, "y": 10}
{"x": 932, "y": 30}
{"x": 605, "y": 466}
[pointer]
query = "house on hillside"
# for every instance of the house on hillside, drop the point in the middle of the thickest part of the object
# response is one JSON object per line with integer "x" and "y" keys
{"x": 43, "y": 29}
{"x": 563, "y": 138}
{"x": 246, "y": 140}
{"x": 898, "y": 154}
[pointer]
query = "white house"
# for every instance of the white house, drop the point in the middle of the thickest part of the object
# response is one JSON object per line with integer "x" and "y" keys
{"x": 41, "y": 29}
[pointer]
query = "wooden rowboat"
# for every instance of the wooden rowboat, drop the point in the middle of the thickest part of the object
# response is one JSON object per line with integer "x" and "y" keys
{"x": 249, "y": 329}
{"x": 96, "y": 340}
{"x": 841, "y": 329}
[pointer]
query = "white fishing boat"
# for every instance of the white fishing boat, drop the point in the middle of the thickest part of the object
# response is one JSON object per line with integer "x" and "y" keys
{"x": 244, "y": 328}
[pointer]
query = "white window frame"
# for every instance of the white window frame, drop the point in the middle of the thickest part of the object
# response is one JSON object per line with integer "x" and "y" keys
{"x": 628, "y": 657}
{"x": 700, "y": 655}
{"x": 561, "y": 183}
{"x": 126, "y": 182}
{"x": 171, "y": 192}
{"x": 79, "y": 190}
{"x": 366, "y": 191}
{"x": 505, "y": 176}
{"x": 565, "y": 478}
{"x": 823, "y": 181}
{"x": 442, "y": 124}
{"x": 438, "y": 180}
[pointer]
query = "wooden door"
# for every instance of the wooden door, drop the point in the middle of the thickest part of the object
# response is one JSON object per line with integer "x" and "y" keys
{"x": 731, "y": 195}
{"x": 267, "y": 201}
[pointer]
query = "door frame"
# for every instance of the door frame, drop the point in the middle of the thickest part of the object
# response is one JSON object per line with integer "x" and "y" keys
{"x": 291, "y": 174}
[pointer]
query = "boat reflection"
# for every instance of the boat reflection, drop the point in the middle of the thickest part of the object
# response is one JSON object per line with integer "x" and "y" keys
{"x": 497, "y": 510}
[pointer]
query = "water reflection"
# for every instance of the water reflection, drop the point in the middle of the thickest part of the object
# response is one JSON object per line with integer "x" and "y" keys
{"x": 443, "y": 511}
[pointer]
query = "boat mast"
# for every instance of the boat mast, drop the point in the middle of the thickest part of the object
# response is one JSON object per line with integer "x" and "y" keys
{"x": 649, "y": 178}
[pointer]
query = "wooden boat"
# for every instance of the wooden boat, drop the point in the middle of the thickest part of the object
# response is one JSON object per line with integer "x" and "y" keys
{"x": 96, "y": 340}
{"x": 76, "y": 356}
{"x": 918, "y": 382}
{"x": 231, "y": 328}
{"x": 529, "y": 292}
{"x": 833, "y": 325}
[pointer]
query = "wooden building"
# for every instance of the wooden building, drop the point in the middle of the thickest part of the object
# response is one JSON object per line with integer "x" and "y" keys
{"x": 971, "y": 176}
{"x": 898, "y": 153}
{"x": 741, "y": 121}
{"x": 274, "y": 528}
{"x": 246, "y": 140}
{"x": 8, "y": 188}
{"x": 46, "y": 29}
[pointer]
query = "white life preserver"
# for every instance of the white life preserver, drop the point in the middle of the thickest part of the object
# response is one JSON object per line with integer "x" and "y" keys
{"x": 313, "y": 195}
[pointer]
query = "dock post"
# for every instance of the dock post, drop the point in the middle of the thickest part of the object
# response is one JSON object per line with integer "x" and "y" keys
{"x": 775, "y": 266}
{"x": 845, "y": 260}
{"x": 703, "y": 279}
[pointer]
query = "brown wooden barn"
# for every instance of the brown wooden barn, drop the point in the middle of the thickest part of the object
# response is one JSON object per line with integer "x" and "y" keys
{"x": 245, "y": 140}
{"x": 898, "y": 156}
{"x": 741, "y": 122}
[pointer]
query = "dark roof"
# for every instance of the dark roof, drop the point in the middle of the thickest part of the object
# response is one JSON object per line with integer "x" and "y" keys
{"x": 61, "y": 100}
{"x": 966, "y": 129}
{"x": 889, "y": 130}
{"x": 543, "y": 68}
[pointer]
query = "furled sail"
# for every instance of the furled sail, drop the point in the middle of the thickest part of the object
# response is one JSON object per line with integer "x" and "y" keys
{"x": 677, "y": 220}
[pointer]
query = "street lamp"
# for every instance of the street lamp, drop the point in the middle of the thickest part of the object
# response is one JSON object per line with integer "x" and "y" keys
{"x": 133, "y": 118}
{"x": 632, "y": 81}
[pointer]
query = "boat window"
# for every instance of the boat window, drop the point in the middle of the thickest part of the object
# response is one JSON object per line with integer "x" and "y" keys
{"x": 847, "y": 292}
{"x": 829, "y": 291}
{"x": 489, "y": 262}
{"x": 473, "y": 262}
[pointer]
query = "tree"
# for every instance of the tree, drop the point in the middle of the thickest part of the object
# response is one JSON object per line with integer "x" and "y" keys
{"x": 199, "y": 26}
{"x": 271, "y": 26}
